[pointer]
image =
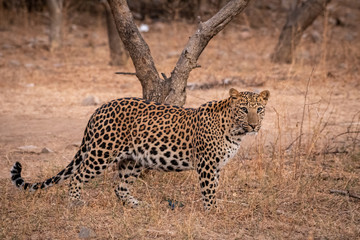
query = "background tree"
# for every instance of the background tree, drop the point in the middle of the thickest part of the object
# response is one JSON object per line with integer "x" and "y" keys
{"x": 298, "y": 20}
{"x": 118, "y": 54}
{"x": 170, "y": 90}
{"x": 55, "y": 10}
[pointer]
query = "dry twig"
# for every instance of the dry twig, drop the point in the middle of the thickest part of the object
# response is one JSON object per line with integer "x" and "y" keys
{"x": 125, "y": 73}
{"x": 344, "y": 193}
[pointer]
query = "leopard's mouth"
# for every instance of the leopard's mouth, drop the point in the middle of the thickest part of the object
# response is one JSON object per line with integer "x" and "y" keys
{"x": 251, "y": 128}
{"x": 238, "y": 131}
{"x": 253, "y": 133}
{"x": 245, "y": 129}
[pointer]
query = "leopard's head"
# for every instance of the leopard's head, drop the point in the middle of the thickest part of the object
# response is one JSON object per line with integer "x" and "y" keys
{"x": 248, "y": 110}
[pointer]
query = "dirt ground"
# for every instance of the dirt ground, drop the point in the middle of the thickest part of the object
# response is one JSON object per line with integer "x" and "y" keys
{"x": 273, "y": 189}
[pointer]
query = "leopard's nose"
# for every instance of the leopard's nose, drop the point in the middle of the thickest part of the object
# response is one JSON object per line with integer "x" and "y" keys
{"x": 252, "y": 125}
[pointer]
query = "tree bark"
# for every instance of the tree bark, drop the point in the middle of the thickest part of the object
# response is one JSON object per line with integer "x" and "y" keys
{"x": 297, "y": 22}
{"x": 139, "y": 51}
{"x": 170, "y": 90}
{"x": 195, "y": 46}
{"x": 55, "y": 10}
{"x": 118, "y": 54}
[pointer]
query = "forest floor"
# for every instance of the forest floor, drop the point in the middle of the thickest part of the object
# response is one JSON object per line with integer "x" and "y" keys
{"x": 277, "y": 186}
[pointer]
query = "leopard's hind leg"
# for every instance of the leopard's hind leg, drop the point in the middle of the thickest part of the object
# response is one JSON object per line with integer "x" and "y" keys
{"x": 128, "y": 171}
{"x": 95, "y": 162}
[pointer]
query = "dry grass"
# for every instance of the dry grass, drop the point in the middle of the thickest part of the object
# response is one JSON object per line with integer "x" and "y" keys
{"x": 277, "y": 187}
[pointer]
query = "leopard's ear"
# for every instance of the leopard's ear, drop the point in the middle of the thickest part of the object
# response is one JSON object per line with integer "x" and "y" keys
{"x": 265, "y": 95}
{"x": 233, "y": 93}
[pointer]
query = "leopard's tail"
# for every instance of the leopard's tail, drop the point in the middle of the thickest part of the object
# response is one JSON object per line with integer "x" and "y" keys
{"x": 67, "y": 172}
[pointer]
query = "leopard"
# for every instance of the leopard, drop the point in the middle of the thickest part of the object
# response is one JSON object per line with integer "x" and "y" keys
{"x": 134, "y": 135}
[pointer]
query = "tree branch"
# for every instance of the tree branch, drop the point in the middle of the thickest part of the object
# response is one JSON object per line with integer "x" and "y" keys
{"x": 139, "y": 51}
{"x": 195, "y": 46}
{"x": 344, "y": 193}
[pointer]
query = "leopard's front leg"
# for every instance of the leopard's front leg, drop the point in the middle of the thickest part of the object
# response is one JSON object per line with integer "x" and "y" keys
{"x": 208, "y": 178}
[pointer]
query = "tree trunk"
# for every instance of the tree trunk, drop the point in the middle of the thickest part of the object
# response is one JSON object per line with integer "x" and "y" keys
{"x": 139, "y": 51}
{"x": 170, "y": 90}
{"x": 55, "y": 10}
{"x": 118, "y": 54}
{"x": 297, "y": 22}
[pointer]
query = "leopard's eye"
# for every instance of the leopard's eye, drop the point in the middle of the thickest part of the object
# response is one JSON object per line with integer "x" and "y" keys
{"x": 244, "y": 109}
{"x": 259, "y": 109}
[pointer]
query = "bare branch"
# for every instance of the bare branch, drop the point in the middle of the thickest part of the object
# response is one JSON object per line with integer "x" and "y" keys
{"x": 344, "y": 193}
{"x": 290, "y": 145}
{"x": 344, "y": 133}
{"x": 195, "y": 46}
{"x": 125, "y": 73}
